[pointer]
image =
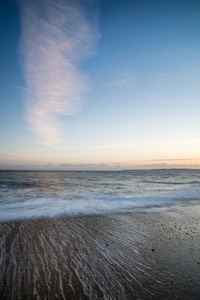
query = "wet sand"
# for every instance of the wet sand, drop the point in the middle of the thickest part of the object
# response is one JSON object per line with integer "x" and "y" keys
{"x": 138, "y": 255}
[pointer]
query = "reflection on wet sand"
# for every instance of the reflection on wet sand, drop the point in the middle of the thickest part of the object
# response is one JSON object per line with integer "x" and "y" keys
{"x": 122, "y": 256}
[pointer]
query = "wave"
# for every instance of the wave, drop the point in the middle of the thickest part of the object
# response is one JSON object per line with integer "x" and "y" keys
{"x": 175, "y": 183}
{"x": 29, "y": 206}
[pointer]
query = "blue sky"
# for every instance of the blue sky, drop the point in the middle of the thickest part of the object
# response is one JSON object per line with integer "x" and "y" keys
{"x": 99, "y": 85}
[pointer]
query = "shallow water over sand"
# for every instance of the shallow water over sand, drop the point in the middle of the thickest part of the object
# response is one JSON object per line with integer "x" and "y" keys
{"x": 118, "y": 256}
{"x": 71, "y": 258}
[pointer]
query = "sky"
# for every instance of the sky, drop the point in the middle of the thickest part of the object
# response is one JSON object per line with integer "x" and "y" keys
{"x": 99, "y": 85}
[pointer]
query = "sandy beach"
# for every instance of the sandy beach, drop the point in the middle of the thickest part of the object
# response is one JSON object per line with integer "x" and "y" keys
{"x": 136, "y": 255}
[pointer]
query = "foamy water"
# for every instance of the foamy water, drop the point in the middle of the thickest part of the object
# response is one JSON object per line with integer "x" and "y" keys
{"x": 36, "y": 194}
{"x": 97, "y": 255}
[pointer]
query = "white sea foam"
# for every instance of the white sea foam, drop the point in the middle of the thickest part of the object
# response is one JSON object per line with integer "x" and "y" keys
{"x": 49, "y": 206}
{"x": 25, "y": 195}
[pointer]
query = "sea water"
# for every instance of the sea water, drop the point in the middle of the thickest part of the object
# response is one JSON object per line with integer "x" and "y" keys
{"x": 47, "y": 194}
{"x": 106, "y": 254}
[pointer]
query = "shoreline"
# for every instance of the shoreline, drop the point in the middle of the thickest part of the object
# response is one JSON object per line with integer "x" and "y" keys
{"x": 134, "y": 255}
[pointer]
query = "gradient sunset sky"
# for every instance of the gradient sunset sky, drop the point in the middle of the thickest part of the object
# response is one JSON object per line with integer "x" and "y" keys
{"x": 99, "y": 84}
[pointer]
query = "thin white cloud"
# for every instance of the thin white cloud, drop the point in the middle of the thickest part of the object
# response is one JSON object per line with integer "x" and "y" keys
{"x": 56, "y": 37}
{"x": 165, "y": 166}
{"x": 122, "y": 80}
{"x": 108, "y": 146}
{"x": 175, "y": 75}
{"x": 97, "y": 146}
{"x": 6, "y": 152}
{"x": 175, "y": 159}
{"x": 163, "y": 78}
{"x": 82, "y": 166}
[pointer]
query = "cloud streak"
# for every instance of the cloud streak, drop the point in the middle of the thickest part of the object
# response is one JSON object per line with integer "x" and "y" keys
{"x": 57, "y": 36}
{"x": 175, "y": 159}
{"x": 97, "y": 146}
{"x": 122, "y": 80}
{"x": 6, "y": 152}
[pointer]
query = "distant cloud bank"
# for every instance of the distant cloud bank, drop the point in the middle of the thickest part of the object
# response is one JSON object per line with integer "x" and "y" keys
{"x": 56, "y": 37}
{"x": 101, "y": 166}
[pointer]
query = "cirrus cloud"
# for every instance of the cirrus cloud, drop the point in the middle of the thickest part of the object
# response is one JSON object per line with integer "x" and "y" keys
{"x": 57, "y": 36}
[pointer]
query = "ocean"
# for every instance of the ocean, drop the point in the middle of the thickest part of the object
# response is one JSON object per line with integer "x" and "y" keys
{"x": 99, "y": 235}
{"x": 49, "y": 194}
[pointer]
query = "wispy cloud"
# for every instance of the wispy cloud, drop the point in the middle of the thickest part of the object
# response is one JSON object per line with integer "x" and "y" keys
{"x": 83, "y": 166}
{"x": 121, "y": 80}
{"x": 107, "y": 146}
{"x": 176, "y": 159}
{"x": 174, "y": 76}
{"x": 165, "y": 166}
{"x": 97, "y": 146}
{"x": 6, "y": 152}
{"x": 56, "y": 37}
{"x": 165, "y": 78}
